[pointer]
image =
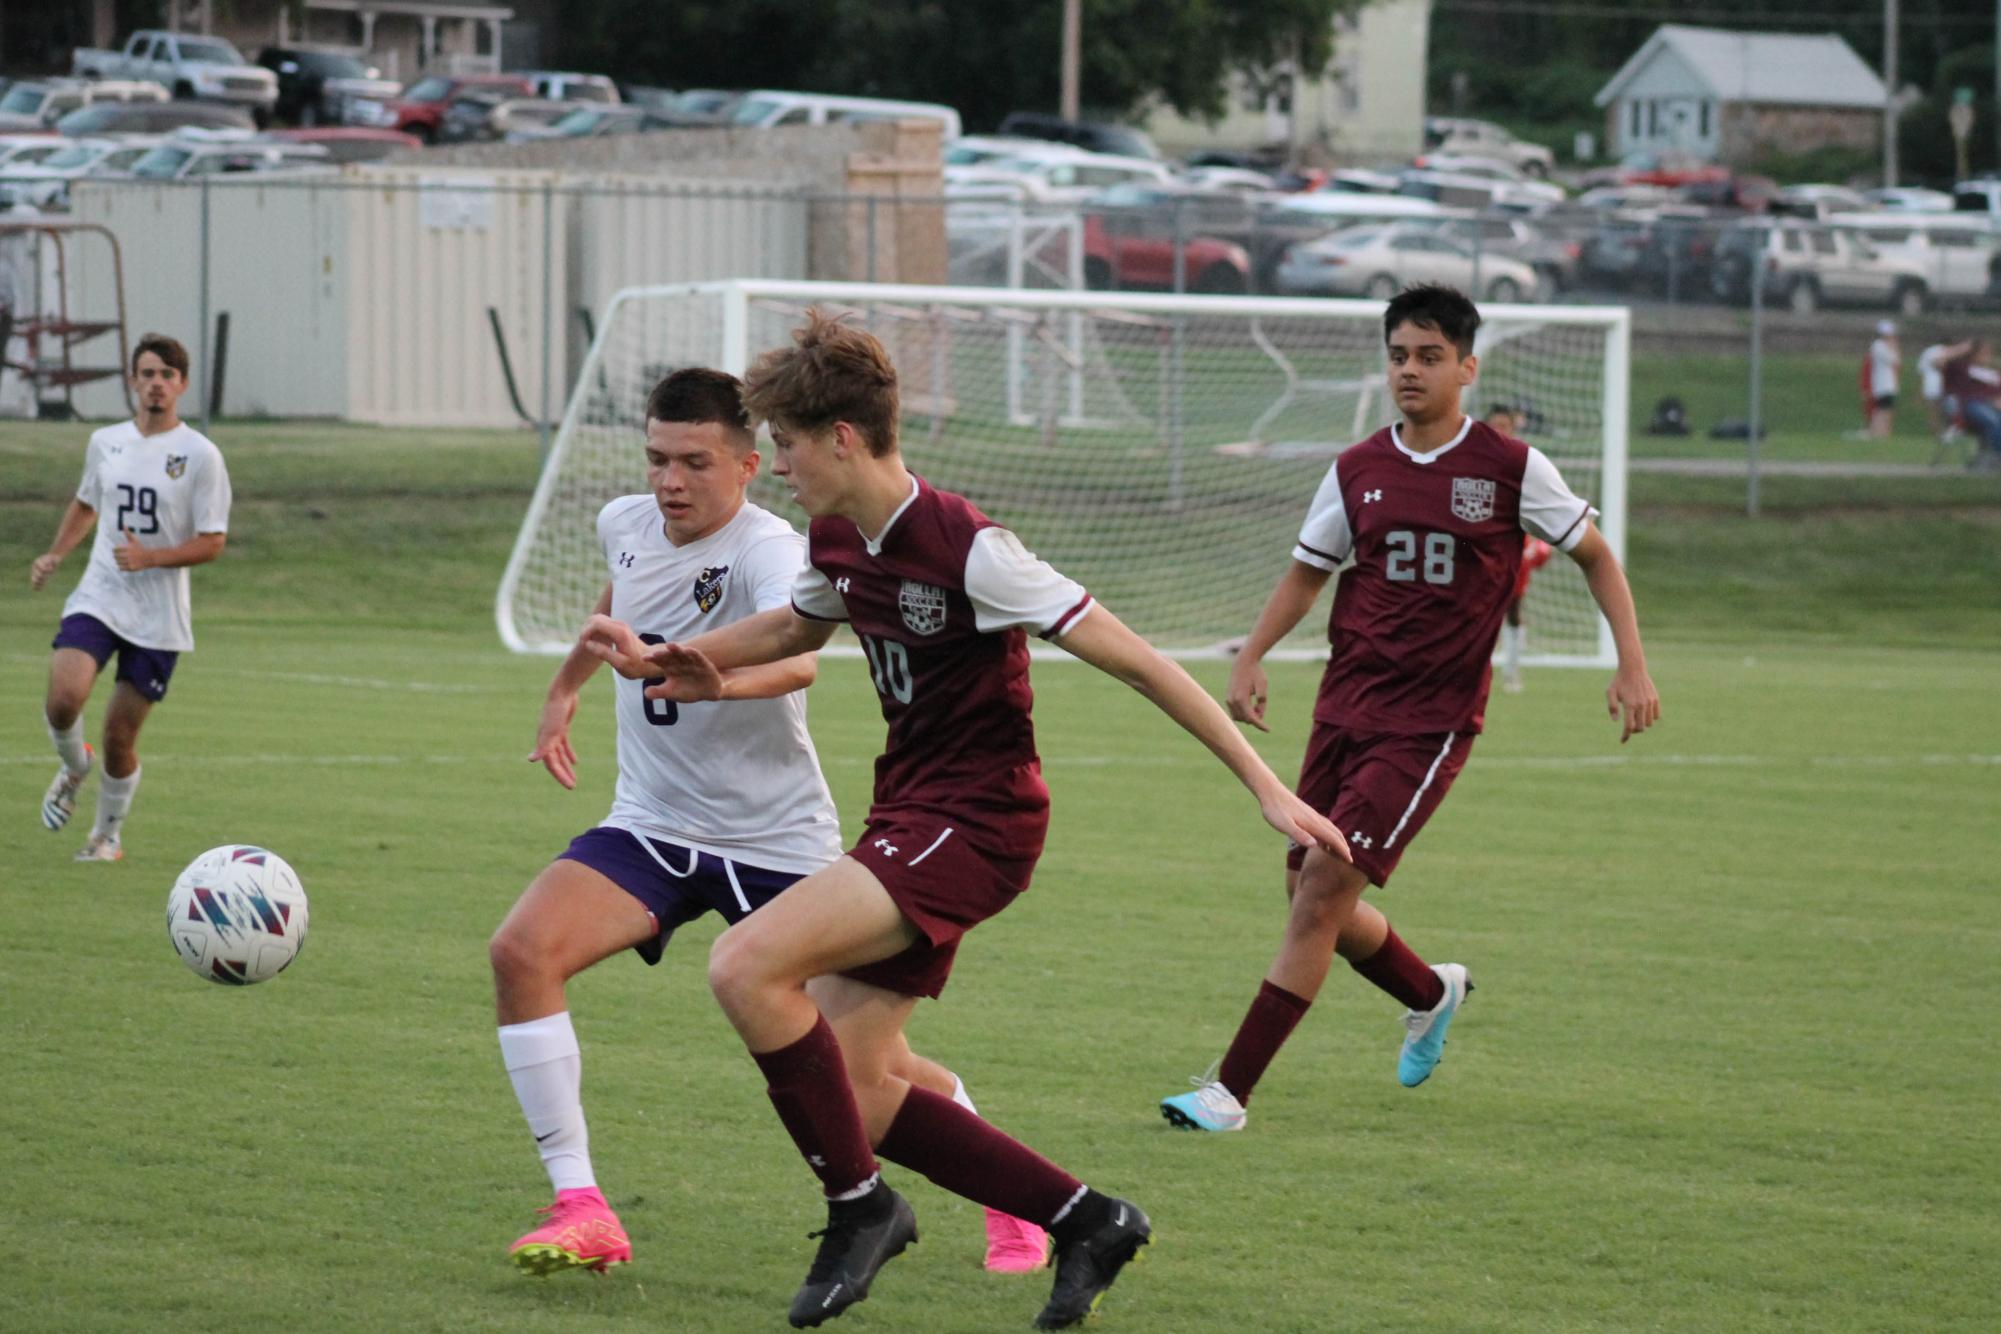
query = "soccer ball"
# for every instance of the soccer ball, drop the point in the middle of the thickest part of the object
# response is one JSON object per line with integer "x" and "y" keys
{"x": 237, "y": 915}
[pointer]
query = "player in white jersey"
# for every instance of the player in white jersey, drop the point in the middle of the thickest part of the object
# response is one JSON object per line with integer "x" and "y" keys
{"x": 164, "y": 493}
{"x": 720, "y": 803}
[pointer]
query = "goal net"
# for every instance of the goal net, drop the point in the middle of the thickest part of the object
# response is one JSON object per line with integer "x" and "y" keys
{"x": 1159, "y": 449}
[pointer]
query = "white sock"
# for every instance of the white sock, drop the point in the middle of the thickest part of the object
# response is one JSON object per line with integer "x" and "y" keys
{"x": 114, "y": 803}
{"x": 960, "y": 1096}
{"x": 547, "y": 1070}
{"x": 69, "y": 745}
{"x": 1511, "y": 649}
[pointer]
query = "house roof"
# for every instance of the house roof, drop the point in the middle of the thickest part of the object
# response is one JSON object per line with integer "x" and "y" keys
{"x": 1769, "y": 67}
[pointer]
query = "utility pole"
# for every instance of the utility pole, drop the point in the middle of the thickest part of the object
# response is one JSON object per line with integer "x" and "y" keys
{"x": 1073, "y": 48}
{"x": 1890, "y": 87}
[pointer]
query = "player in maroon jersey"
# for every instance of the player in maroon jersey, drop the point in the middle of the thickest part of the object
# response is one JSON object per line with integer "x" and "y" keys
{"x": 941, "y": 598}
{"x": 1433, "y": 510}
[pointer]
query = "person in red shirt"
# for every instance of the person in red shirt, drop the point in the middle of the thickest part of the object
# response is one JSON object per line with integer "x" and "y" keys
{"x": 942, "y": 599}
{"x": 1432, "y": 510}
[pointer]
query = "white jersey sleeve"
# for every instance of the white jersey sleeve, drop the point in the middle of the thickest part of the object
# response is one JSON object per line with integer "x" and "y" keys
{"x": 772, "y": 568}
{"x": 212, "y": 493}
{"x": 1011, "y": 586}
{"x": 1549, "y": 509}
{"x": 815, "y": 598}
{"x": 1325, "y": 539}
{"x": 90, "y": 489}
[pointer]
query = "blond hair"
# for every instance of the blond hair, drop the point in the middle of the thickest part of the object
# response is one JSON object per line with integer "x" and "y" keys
{"x": 833, "y": 372}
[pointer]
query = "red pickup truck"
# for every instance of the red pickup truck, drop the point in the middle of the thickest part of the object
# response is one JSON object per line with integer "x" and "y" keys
{"x": 421, "y": 108}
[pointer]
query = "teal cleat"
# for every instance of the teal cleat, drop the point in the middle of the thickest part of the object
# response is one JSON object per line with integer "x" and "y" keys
{"x": 1424, "y": 1030}
{"x": 1209, "y": 1107}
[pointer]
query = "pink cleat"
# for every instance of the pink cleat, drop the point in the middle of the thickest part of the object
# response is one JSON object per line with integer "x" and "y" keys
{"x": 582, "y": 1233}
{"x": 1014, "y": 1245}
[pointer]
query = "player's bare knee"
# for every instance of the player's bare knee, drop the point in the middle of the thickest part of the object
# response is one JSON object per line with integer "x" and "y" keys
{"x": 734, "y": 972}
{"x": 63, "y": 709}
{"x": 511, "y": 955}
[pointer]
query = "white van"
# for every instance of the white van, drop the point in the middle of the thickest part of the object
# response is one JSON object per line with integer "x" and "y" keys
{"x": 1953, "y": 249}
{"x": 764, "y": 107}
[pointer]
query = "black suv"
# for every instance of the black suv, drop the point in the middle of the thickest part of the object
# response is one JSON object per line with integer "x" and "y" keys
{"x": 1093, "y": 135}
{"x": 314, "y": 87}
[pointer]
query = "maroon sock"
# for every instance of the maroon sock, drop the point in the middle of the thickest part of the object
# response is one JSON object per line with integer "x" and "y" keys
{"x": 808, "y": 1084}
{"x": 1405, "y": 976}
{"x": 1272, "y": 1017}
{"x": 965, "y": 1155}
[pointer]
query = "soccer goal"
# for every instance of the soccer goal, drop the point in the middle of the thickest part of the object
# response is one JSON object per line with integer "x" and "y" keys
{"x": 1159, "y": 449}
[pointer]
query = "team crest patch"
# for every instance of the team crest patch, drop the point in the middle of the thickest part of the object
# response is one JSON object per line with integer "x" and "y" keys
{"x": 709, "y": 587}
{"x": 1472, "y": 498}
{"x": 923, "y": 607}
{"x": 176, "y": 464}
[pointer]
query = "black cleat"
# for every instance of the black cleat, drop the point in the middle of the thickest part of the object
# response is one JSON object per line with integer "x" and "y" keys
{"x": 859, "y": 1239}
{"x": 1086, "y": 1267}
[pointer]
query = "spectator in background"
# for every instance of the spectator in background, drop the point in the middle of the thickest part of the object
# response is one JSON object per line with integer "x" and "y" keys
{"x": 1884, "y": 368}
{"x": 1941, "y": 408}
{"x": 1972, "y": 381}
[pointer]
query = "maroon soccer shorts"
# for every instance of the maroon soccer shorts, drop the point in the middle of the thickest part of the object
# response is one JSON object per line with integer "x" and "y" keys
{"x": 943, "y": 883}
{"x": 1378, "y": 788}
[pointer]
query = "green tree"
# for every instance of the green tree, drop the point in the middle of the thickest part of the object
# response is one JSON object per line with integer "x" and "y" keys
{"x": 986, "y": 60}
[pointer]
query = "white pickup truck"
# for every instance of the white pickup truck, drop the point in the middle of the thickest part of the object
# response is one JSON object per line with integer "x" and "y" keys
{"x": 187, "y": 65}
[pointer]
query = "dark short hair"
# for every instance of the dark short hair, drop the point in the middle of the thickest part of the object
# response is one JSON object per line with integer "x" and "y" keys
{"x": 166, "y": 349}
{"x": 833, "y": 372}
{"x": 696, "y": 394}
{"x": 1434, "y": 306}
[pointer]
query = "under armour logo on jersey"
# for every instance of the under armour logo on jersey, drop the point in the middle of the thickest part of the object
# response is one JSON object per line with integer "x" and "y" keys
{"x": 841, "y": 585}
{"x": 888, "y": 848}
{"x": 625, "y": 559}
{"x": 1370, "y": 497}
{"x": 1361, "y": 840}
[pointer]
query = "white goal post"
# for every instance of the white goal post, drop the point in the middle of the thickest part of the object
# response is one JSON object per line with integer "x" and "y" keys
{"x": 1159, "y": 449}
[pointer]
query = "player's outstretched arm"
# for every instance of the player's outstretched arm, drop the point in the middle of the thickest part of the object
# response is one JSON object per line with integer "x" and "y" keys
{"x": 1291, "y": 598}
{"x": 1631, "y": 698}
{"x": 71, "y": 529}
{"x": 552, "y": 730}
{"x": 1107, "y": 643}
{"x": 757, "y": 657}
{"x": 200, "y": 549}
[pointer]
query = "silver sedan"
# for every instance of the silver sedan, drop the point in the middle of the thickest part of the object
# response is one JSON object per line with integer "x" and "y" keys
{"x": 1379, "y": 262}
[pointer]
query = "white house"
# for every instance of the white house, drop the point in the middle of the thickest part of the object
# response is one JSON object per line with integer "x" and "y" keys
{"x": 1368, "y": 106}
{"x": 1733, "y": 96}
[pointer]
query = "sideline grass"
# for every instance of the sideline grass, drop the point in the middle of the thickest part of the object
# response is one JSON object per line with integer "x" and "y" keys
{"x": 1705, "y": 1083}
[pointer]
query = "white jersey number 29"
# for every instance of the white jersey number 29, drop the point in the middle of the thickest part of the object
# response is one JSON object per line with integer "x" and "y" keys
{"x": 1401, "y": 565}
{"x": 889, "y": 664}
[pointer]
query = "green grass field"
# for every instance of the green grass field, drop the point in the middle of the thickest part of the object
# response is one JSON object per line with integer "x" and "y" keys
{"x": 1727, "y": 1068}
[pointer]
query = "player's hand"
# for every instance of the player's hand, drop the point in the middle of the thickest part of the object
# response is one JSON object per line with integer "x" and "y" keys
{"x": 1246, "y": 697}
{"x": 616, "y": 643}
{"x": 1632, "y": 700}
{"x": 1285, "y": 812}
{"x": 552, "y": 739}
{"x": 131, "y": 557}
{"x": 44, "y": 565}
{"x": 690, "y": 677}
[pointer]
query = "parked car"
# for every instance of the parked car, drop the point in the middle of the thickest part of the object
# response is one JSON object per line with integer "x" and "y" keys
{"x": 188, "y": 65}
{"x": 522, "y": 118}
{"x": 350, "y": 143}
{"x": 1131, "y": 234}
{"x": 189, "y": 155}
{"x": 1379, "y": 262}
{"x": 1554, "y": 258}
{"x": 1053, "y": 173}
{"x": 1457, "y": 190}
{"x": 762, "y": 108}
{"x": 1909, "y": 199}
{"x": 1663, "y": 249}
{"x": 1808, "y": 266}
{"x": 421, "y": 108}
{"x": 101, "y": 118}
{"x": 1982, "y": 195}
{"x": 1092, "y": 136}
{"x": 25, "y": 149}
{"x": 565, "y": 86}
{"x": 39, "y": 104}
{"x": 1817, "y": 203}
{"x": 45, "y": 184}
{"x": 1456, "y": 134}
{"x": 1285, "y": 221}
{"x": 1952, "y": 250}
{"x": 316, "y": 87}
{"x": 593, "y": 120}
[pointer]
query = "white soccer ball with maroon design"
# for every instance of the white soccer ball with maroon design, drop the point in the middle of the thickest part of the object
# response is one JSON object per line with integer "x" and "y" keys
{"x": 237, "y": 915}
